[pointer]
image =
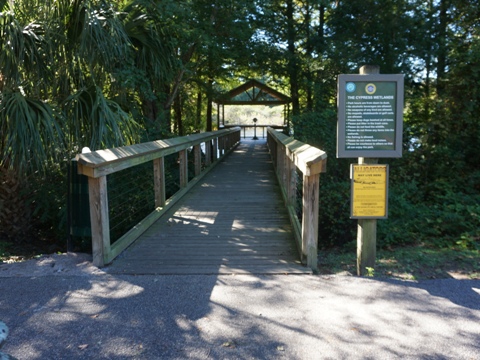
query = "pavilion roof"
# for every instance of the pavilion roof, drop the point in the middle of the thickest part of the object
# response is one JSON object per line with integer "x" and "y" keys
{"x": 253, "y": 92}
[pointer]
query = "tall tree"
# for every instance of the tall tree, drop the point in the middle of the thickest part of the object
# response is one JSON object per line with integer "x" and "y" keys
{"x": 371, "y": 32}
{"x": 226, "y": 32}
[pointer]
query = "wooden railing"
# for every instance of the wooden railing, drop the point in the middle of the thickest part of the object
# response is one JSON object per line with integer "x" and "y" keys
{"x": 259, "y": 132}
{"x": 98, "y": 164}
{"x": 288, "y": 156}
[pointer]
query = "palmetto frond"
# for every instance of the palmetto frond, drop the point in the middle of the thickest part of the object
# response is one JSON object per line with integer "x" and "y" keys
{"x": 155, "y": 49}
{"x": 24, "y": 53}
{"x": 97, "y": 121}
{"x": 30, "y": 132}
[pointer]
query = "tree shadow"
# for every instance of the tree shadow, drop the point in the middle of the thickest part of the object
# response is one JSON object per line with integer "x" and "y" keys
{"x": 464, "y": 293}
{"x": 107, "y": 316}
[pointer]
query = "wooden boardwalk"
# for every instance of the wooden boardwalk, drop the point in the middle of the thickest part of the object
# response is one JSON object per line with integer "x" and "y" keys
{"x": 232, "y": 222}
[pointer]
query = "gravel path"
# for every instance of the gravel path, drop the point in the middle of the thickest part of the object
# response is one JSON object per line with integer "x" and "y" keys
{"x": 80, "y": 312}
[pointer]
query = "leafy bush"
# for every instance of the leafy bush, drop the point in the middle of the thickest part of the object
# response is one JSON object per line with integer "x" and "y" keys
{"x": 434, "y": 198}
{"x": 436, "y": 214}
{"x": 335, "y": 226}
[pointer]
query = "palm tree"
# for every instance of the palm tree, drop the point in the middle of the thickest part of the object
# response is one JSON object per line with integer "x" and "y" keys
{"x": 57, "y": 86}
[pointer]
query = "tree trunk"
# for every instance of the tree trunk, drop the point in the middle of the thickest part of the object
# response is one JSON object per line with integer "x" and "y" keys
{"x": 292, "y": 59}
{"x": 209, "y": 104}
{"x": 177, "y": 109}
{"x": 309, "y": 48}
{"x": 442, "y": 47}
{"x": 198, "y": 117}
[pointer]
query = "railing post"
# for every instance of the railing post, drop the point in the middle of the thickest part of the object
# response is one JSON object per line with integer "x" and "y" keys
{"x": 310, "y": 219}
{"x": 197, "y": 157}
{"x": 278, "y": 157}
{"x": 285, "y": 172}
{"x": 159, "y": 181}
{"x": 291, "y": 186}
{"x": 97, "y": 189}
{"x": 183, "y": 163}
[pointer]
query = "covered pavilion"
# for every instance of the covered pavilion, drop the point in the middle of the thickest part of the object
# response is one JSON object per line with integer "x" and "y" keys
{"x": 253, "y": 92}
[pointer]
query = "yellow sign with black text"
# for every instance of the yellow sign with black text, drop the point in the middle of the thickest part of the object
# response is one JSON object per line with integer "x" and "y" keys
{"x": 369, "y": 198}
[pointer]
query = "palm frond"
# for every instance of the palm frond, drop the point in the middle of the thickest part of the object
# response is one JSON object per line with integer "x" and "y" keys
{"x": 98, "y": 122}
{"x": 31, "y": 135}
{"x": 25, "y": 53}
{"x": 103, "y": 39}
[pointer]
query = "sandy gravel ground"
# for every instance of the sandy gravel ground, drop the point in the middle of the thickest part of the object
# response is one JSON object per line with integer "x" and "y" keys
{"x": 62, "y": 307}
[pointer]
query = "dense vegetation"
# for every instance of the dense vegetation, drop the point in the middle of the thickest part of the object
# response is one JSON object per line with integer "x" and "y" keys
{"x": 100, "y": 73}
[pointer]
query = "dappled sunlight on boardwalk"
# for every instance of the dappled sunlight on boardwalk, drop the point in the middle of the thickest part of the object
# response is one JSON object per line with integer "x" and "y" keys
{"x": 234, "y": 221}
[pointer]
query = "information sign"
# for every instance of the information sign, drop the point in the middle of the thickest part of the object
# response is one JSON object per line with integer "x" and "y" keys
{"x": 369, "y": 198}
{"x": 370, "y": 116}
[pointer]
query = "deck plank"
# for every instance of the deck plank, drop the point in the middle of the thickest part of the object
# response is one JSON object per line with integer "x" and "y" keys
{"x": 232, "y": 222}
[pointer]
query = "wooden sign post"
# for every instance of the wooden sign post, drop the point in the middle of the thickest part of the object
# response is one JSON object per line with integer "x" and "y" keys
{"x": 370, "y": 126}
{"x": 367, "y": 228}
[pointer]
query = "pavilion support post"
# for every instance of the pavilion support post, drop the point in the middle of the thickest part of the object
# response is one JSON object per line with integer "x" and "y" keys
{"x": 223, "y": 115}
{"x": 159, "y": 181}
{"x": 98, "y": 197}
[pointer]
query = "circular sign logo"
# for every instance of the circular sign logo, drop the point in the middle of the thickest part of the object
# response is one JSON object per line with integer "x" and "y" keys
{"x": 350, "y": 87}
{"x": 370, "y": 89}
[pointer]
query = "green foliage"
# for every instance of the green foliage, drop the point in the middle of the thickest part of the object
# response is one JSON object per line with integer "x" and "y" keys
{"x": 335, "y": 227}
{"x": 4, "y": 249}
{"x": 436, "y": 214}
{"x": 49, "y": 203}
{"x": 408, "y": 262}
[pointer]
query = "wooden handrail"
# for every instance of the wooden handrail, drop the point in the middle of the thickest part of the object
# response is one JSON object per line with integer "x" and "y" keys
{"x": 98, "y": 164}
{"x": 105, "y": 162}
{"x": 288, "y": 155}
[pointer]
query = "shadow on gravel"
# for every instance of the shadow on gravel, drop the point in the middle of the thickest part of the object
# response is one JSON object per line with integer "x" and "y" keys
{"x": 238, "y": 317}
{"x": 124, "y": 317}
{"x": 102, "y": 317}
{"x": 465, "y": 293}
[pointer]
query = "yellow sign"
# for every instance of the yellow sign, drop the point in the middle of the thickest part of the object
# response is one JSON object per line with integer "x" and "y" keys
{"x": 369, "y": 191}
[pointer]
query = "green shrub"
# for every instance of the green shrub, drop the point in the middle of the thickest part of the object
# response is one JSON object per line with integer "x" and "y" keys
{"x": 434, "y": 198}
